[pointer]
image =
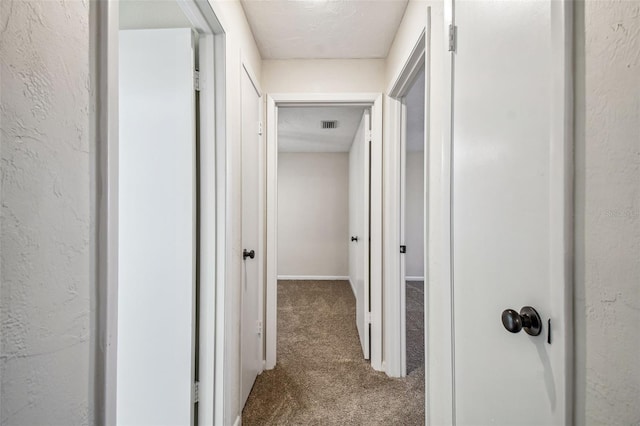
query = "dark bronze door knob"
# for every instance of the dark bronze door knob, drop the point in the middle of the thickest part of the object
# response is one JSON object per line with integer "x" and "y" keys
{"x": 250, "y": 254}
{"x": 528, "y": 319}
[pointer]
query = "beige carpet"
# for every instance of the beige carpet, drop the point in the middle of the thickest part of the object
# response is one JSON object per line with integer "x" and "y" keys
{"x": 321, "y": 377}
{"x": 415, "y": 325}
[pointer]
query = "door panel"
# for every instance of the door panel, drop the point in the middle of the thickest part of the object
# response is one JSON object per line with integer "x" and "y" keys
{"x": 250, "y": 339}
{"x": 156, "y": 228}
{"x": 359, "y": 164}
{"x": 502, "y": 199}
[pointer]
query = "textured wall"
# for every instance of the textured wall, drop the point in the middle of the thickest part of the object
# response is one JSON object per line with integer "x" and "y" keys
{"x": 44, "y": 224}
{"x": 313, "y": 213}
{"x": 607, "y": 275}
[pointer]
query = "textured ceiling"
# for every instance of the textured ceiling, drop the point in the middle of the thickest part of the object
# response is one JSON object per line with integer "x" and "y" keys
{"x": 321, "y": 29}
{"x": 299, "y": 128}
{"x": 415, "y": 114}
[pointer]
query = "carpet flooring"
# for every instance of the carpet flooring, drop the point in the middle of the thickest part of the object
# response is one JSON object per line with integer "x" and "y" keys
{"x": 321, "y": 377}
{"x": 415, "y": 325}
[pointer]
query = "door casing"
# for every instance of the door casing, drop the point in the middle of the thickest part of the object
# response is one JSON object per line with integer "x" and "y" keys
{"x": 373, "y": 100}
{"x": 394, "y": 291}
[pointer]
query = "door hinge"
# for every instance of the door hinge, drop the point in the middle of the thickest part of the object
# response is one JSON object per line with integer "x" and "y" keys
{"x": 367, "y": 318}
{"x": 453, "y": 33}
{"x": 259, "y": 128}
{"x": 196, "y": 391}
{"x": 259, "y": 328}
{"x": 403, "y": 249}
{"x": 196, "y": 80}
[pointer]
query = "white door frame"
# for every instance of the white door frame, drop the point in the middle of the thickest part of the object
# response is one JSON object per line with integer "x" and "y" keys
{"x": 374, "y": 100}
{"x": 440, "y": 386}
{"x": 212, "y": 202}
{"x": 394, "y": 290}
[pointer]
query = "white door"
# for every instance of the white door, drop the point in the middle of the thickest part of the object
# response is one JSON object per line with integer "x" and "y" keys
{"x": 250, "y": 339}
{"x": 509, "y": 222}
{"x": 359, "y": 162}
{"x": 156, "y": 258}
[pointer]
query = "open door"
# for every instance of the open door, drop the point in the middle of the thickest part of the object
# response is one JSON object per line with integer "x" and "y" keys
{"x": 510, "y": 219}
{"x": 157, "y": 198}
{"x": 251, "y": 323}
{"x": 359, "y": 208}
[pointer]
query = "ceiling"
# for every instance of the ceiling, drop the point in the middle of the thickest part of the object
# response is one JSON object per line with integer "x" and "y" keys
{"x": 323, "y": 29}
{"x": 299, "y": 128}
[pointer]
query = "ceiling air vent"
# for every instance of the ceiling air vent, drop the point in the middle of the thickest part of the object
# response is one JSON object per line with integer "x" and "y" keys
{"x": 329, "y": 124}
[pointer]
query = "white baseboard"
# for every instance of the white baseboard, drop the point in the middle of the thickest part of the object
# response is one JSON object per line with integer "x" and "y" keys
{"x": 353, "y": 289}
{"x": 238, "y": 421}
{"x": 414, "y": 278}
{"x": 313, "y": 277}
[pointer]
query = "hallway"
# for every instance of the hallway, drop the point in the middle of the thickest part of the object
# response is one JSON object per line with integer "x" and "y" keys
{"x": 321, "y": 377}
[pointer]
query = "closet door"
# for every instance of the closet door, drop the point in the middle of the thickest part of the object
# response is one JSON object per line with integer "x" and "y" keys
{"x": 156, "y": 257}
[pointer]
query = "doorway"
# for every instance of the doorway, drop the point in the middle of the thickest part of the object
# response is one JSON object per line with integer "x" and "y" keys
{"x": 323, "y": 200}
{"x": 158, "y": 209}
{"x": 369, "y": 312}
{"x": 413, "y": 201}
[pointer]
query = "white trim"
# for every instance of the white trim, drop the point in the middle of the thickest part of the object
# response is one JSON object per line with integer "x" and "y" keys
{"x": 106, "y": 184}
{"x": 238, "y": 421}
{"x": 374, "y": 100}
{"x": 412, "y": 278}
{"x": 221, "y": 225}
{"x": 561, "y": 192}
{"x": 314, "y": 277}
{"x": 272, "y": 231}
{"x": 207, "y": 218}
{"x": 403, "y": 81}
{"x": 353, "y": 290}
{"x": 438, "y": 303}
{"x": 403, "y": 232}
{"x": 395, "y": 296}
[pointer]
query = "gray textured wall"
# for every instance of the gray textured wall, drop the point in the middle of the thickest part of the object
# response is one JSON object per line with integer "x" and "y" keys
{"x": 607, "y": 249}
{"x": 45, "y": 216}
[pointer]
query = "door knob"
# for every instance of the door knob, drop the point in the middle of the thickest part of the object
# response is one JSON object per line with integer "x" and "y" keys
{"x": 354, "y": 239}
{"x": 528, "y": 319}
{"x": 250, "y": 254}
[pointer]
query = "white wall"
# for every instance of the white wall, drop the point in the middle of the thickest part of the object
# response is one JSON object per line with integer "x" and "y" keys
{"x": 323, "y": 75}
{"x": 414, "y": 215}
{"x": 607, "y": 212}
{"x": 313, "y": 214}
{"x": 46, "y": 223}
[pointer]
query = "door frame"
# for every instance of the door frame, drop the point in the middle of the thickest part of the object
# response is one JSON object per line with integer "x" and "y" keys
{"x": 212, "y": 201}
{"x": 395, "y": 295}
{"x": 373, "y": 100}
{"x": 440, "y": 356}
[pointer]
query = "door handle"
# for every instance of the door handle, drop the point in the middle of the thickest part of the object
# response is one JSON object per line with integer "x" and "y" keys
{"x": 528, "y": 319}
{"x": 354, "y": 239}
{"x": 250, "y": 254}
